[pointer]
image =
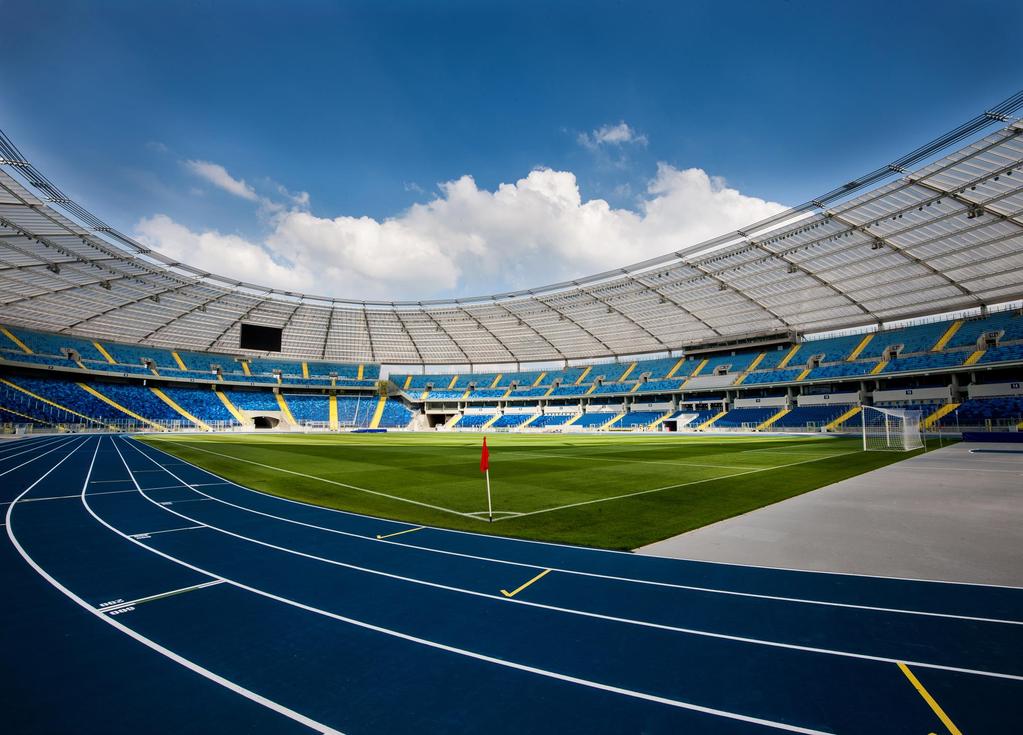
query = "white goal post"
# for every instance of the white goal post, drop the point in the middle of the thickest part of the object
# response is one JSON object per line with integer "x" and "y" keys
{"x": 890, "y": 429}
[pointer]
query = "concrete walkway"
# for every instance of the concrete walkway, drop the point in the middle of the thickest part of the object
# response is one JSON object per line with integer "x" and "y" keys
{"x": 951, "y": 514}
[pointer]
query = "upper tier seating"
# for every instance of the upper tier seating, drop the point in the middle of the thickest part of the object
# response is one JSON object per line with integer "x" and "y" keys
{"x": 926, "y": 361}
{"x": 1008, "y": 322}
{"x": 773, "y": 376}
{"x": 833, "y": 349}
{"x": 487, "y": 393}
{"x": 134, "y": 355}
{"x": 445, "y": 395}
{"x": 839, "y": 370}
{"x": 772, "y": 358}
{"x": 569, "y": 390}
{"x": 918, "y": 338}
{"x": 1002, "y": 353}
{"x": 654, "y": 386}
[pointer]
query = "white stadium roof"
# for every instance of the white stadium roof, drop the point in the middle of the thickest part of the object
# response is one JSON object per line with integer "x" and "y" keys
{"x": 894, "y": 244}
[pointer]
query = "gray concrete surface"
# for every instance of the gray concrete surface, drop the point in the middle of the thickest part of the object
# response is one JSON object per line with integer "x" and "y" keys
{"x": 947, "y": 515}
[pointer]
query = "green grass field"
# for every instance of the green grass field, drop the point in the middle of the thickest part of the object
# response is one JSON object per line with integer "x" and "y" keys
{"x": 611, "y": 491}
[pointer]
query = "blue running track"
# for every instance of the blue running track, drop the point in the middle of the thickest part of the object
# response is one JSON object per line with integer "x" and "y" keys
{"x": 147, "y": 595}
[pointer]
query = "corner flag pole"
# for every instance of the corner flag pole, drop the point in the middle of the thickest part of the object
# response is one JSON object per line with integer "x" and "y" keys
{"x": 485, "y": 467}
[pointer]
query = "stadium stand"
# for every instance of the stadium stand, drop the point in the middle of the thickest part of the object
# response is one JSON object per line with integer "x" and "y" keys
{"x": 738, "y": 418}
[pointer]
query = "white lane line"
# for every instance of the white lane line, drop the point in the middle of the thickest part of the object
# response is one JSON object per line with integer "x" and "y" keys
{"x": 583, "y": 613}
{"x": 25, "y": 449}
{"x": 259, "y": 699}
{"x": 673, "y": 487}
{"x": 68, "y": 497}
{"x": 464, "y": 652}
{"x": 54, "y": 447}
{"x": 158, "y": 596}
{"x": 331, "y": 482}
{"x": 147, "y": 534}
{"x": 630, "y": 555}
{"x": 491, "y": 538}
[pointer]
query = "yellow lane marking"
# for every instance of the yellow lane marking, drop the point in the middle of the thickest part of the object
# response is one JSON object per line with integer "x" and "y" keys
{"x": 399, "y": 533}
{"x": 929, "y": 699}
{"x": 539, "y": 576}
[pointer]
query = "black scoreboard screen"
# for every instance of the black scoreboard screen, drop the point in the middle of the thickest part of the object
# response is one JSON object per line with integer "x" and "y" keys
{"x": 263, "y": 339}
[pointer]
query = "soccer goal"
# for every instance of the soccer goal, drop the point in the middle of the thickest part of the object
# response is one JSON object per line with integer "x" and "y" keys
{"x": 890, "y": 429}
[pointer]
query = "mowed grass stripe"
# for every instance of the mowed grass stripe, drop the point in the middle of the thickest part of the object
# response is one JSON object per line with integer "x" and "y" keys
{"x": 608, "y": 490}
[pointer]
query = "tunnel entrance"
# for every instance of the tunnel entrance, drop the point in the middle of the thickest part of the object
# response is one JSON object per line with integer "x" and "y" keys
{"x": 265, "y": 422}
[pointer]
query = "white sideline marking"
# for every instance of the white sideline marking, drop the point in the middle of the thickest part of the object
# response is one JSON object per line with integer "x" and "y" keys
{"x": 461, "y": 651}
{"x": 259, "y": 699}
{"x": 677, "y": 485}
{"x": 159, "y": 595}
{"x": 587, "y": 457}
{"x": 101, "y": 482}
{"x": 631, "y": 555}
{"x": 331, "y": 482}
{"x": 582, "y": 613}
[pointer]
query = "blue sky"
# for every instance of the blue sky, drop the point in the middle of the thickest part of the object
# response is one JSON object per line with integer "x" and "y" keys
{"x": 198, "y": 126}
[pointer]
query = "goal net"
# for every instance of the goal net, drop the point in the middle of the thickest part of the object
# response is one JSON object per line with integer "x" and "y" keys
{"x": 890, "y": 429}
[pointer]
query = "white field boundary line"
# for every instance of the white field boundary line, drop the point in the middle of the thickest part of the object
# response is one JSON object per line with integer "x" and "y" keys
{"x": 323, "y": 479}
{"x": 555, "y": 568}
{"x": 675, "y": 486}
{"x": 581, "y": 613}
{"x": 597, "y": 550}
{"x": 302, "y": 719}
{"x": 33, "y": 448}
{"x": 520, "y": 515}
{"x": 592, "y": 458}
{"x": 453, "y": 649}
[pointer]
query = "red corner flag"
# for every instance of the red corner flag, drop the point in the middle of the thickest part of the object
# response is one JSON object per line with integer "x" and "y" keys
{"x": 485, "y": 467}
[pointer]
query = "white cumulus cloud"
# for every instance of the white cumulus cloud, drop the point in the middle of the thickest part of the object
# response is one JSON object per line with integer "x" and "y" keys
{"x": 217, "y": 175}
{"x": 468, "y": 240}
{"x": 611, "y": 135}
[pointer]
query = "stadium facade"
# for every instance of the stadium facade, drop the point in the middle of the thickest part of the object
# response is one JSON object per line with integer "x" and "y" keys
{"x": 917, "y": 266}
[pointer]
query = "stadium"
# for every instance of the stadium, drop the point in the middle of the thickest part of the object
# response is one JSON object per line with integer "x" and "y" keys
{"x": 767, "y": 481}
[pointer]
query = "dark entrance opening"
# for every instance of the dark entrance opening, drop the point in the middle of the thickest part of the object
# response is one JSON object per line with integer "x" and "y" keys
{"x": 265, "y": 422}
